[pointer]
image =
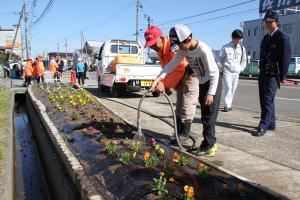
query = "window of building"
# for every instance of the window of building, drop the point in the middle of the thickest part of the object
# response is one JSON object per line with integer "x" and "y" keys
{"x": 254, "y": 54}
{"x": 287, "y": 28}
{"x": 249, "y": 53}
{"x": 254, "y": 32}
{"x": 249, "y": 32}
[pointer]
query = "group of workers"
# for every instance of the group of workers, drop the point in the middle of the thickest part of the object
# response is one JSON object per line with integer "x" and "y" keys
{"x": 190, "y": 68}
{"x": 36, "y": 69}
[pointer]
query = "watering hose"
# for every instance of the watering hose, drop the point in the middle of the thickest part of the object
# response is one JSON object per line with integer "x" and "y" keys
{"x": 140, "y": 135}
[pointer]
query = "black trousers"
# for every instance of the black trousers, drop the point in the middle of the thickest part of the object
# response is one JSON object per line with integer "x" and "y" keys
{"x": 27, "y": 80}
{"x": 80, "y": 77}
{"x": 39, "y": 78}
{"x": 267, "y": 91}
{"x": 209, "y": 113}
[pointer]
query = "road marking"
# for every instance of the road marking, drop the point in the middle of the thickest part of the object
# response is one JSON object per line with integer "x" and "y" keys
{"x": 280, "y": 98}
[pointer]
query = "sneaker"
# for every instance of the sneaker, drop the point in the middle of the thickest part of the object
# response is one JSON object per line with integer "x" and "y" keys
{"x": 211, "y": 152}
{"x": 226, "y": 109}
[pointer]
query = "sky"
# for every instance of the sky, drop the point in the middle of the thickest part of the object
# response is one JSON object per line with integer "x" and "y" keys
{"x": 107, "y": 19}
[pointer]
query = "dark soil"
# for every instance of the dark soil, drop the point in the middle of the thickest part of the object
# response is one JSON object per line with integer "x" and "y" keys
{"x": 134, "y": 181}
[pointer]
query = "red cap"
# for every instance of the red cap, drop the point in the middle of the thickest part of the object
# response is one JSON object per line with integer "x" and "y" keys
{"x": 151, "y": 35}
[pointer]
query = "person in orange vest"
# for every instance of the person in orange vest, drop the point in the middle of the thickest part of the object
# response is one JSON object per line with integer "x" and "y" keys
{"x": 53, "y": 68}
{"x": 28, "y": 72}
{"x": 182, "y": 79}
{"x": 39, "y": 69}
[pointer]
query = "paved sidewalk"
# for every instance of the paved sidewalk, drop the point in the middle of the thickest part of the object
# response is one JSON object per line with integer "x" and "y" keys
{"x": 272, "y": 161}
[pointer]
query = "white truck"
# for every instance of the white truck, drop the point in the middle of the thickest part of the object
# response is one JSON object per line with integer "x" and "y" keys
{"x": 120, "y": 68}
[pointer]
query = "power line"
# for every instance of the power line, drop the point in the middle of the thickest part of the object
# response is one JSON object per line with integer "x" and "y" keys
{"x": 204, "y": 20}
{"x": 44, "y": 13}
{"x": 205, "y": 13}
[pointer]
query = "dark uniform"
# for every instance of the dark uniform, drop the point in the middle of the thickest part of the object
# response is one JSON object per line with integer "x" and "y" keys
{"x": 275, "y": 56}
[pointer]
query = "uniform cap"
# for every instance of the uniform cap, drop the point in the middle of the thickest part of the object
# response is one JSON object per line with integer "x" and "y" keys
{"x": 178, "y": 34}
{"x": 271, "y": 16}
{"x": 151, "y": 35}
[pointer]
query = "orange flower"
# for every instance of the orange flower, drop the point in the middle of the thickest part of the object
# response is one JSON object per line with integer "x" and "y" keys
{"x": 162, "y": 174}
{"x": 201, "y": 165}
{"x": 189, "y": 190}
{"x": 147, "y": 155}
{"x": 171, "y": 180}
{"x": 106, "y": 142}
{"x": 164, "y": 166}
{"x": 175, "y": 156}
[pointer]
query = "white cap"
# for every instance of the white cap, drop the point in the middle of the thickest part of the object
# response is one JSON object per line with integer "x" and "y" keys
{"x": 79, "y": 59}
{"x": 178, "y": 34}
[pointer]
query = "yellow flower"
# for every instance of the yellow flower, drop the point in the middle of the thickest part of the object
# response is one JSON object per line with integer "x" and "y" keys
{"x": 156, "y": 146}
{"x": 162, "y": 174}
{"x": 175, "y": 156}
{"x": 133, "y": 155}
{"x": 161, "y": 151}
{"x": 147, "y": 155}
{"x": 189, "y": 190}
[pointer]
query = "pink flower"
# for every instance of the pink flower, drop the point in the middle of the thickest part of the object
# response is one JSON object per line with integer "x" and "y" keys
{"x": 152, "y": 141}
{"x": 84, "y": 130}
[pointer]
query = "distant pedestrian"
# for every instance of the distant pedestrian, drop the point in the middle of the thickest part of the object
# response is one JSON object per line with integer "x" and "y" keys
{"x": 80, "y": 72}
{"x": 85, "y": 69}
{"x": 232, "y": 61}
{"x": 28, "y": 72}
{"x": 275, "y": 56}
{"x": 39, "y": 69}
{"x": 60, "y": 64}
{"x": 73, "y": 76}
{"x": 6, "y": 69}
{"x": 53, "y": 69}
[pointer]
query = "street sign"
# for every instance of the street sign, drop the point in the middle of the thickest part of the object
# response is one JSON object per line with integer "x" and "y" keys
{"x": 266, "y": 5}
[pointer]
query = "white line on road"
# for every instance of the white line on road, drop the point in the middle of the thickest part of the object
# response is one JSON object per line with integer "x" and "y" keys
{"x": 280, "y": 98}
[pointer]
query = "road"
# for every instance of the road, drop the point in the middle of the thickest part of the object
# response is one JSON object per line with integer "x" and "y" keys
{"x": 287, "y": 98}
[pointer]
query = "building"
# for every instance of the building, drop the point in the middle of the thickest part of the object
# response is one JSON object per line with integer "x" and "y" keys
{"x": 254, "y": 31}
{"x": 7, "y": 38}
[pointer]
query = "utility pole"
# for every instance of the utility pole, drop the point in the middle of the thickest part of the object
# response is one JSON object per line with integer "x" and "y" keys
{"x": 26, "y": 30}
{"x": 138, "y": 5}
{"x": 16, "y": 33}
{"x": 57, "y": 49}
{"x": 66, "y": 46}
{"x": 149, "y": 21}
{"x": 81, "y": 44}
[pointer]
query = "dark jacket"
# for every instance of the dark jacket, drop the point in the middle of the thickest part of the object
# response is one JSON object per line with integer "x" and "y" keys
{"x": 276, "y": 49}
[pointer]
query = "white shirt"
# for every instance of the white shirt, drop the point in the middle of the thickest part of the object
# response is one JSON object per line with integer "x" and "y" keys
{"x": 272, "y": 33}
{"x": 232, "y": 58}
{"x": 202, "y": 62}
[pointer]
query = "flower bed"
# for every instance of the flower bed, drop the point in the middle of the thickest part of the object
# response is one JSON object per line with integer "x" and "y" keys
{"x": 122, "y": 168}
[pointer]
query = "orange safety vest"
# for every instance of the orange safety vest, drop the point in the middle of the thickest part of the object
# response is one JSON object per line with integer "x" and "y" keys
{"x": 39, "y": 68}
{"x": 165, "y": 56}
{"x": 53, "y": 67}
{"x": 28, "y": 71}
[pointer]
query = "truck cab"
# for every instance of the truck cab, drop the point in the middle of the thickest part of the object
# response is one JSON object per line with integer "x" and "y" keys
{"x": 121, "y": 68}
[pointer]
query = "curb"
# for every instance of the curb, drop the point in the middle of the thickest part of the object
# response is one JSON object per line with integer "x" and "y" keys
{"x": 74, "y": 169}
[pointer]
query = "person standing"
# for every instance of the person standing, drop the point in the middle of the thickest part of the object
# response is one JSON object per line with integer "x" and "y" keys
{"x": 80, "y": 72}
{"x": 28, "y": 72}
{"x": 182, "y": 79}
{"x": 39, "y": 69}
{"x": 53, "y": 69}
{"x": 201, "y": 61}
{"x": 60, "y": 63}
{"x": 232, "y": 61}
{"x": 275, "y": 56}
